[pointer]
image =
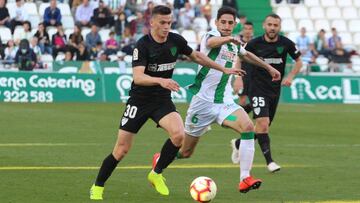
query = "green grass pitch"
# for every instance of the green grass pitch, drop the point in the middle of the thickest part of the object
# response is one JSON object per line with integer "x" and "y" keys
{"x": 51, "y": 153}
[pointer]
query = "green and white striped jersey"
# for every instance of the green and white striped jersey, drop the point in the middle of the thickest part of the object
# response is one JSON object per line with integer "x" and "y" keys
{"x": 210, "y": 84}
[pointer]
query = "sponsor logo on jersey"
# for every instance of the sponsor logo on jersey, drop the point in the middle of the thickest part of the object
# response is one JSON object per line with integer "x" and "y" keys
{"x": 280, "y": 50}
{"x": 135, "y": 54}
{"x": 161, "y": 67}
{"x": 173, "y": 50}
{"x": 124, "y": 121}
{"x": 273, "y": 60}
{"x": 227, "y": 55}
{"x": 257, "y": 110}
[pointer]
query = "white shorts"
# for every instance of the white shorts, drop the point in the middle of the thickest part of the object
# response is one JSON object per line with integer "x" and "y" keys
{"x": 202, "y": 113}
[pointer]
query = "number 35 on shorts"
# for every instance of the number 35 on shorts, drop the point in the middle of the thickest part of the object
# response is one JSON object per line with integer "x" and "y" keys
{"x": 130, "y": 111}
{"x": 258, "y": 101}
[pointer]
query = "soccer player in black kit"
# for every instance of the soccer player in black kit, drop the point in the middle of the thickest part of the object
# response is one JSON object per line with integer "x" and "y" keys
{"x": 264, "y": 93}
{"x": 154, "y": 59}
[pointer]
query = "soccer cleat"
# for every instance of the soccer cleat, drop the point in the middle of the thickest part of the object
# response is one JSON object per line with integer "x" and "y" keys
{"x": 273, "y": 167}
{"x": 96, "y": 192}
{"x": 249, "y": 183}
{"x": 155, "y": 160}
{"x": 235, "y": 152}
{"x": 158, "y": 181}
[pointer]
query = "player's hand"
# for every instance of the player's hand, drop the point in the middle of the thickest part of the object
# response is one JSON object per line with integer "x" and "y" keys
{"x": 238, "y": 85}
{"x": 234, "y": 71}
{"x": 235, "y": 40}
{"x": 287, "y": 81}
{"x": 275, "y": 74}
{"x": 169, "y": 84}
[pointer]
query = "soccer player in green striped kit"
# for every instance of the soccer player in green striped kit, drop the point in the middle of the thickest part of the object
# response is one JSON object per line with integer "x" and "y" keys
{"x": 213, "y": 101}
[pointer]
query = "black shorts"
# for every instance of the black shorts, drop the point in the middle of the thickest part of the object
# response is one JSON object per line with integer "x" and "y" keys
{"x": 138, "y": 110}
{"x": 264, "y": 105}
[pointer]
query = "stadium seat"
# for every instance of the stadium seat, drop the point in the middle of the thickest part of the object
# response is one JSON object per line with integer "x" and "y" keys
{"x": 349, "y": 13}
{"x": 354, "y": 26}
{"x": 356, "y": 3}
{"x": 201, "y": 34}
{"x": 85, "y": 31}
{"x": 328, "y": 3}
{"x": 356, "y": 38}
{"x": 34, "y": 21}
{"x": 11, "y": 7}
{"x": 190, "y": 36}
{"x": 200, "y": 24}
{"x": 68, "y": 32}
{"x": 68, "y": 22}
{"x": 47, "y": 60}
{"x": 274, "y": 4}
{"x": 175, "y": 31}
{"x": 284, "y": 12}
{"x": 317, "y": 13}
{"x": 323, "y": 63}
{"x": 17, "y": 33}
{"x": 5, "y": 34}
{"x": 307, "y": 23}
{"x": 346, "y": 38}
{"x": 51, "y": 31}
{"x": 340, "y": 25}
{"x": 42, "y": 8}
{"x": 288, "y": 25}
{"x": 322, "y": 24}
{"x": 344, "y": 3}
{"x": 104, "y": 34}
{"x": 311, "y": 3}
{"x": 212, "y": 23}
{"x": 65, "y": 9}
{"x": 333, "y": 13}
{"x": 300, "y": 12}
{"x": 60, "y": 57}
{"x": 31, "y": 8}
{"x": 355, "y": 63}
{"x": 293, "y": 35}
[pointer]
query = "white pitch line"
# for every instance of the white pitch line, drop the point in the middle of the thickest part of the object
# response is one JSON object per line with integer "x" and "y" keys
{"x": 185, "y": 166}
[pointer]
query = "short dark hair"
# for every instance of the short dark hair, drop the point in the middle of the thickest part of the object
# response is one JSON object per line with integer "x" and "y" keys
{"x": 249, "y": 23}
{"x": 226, "y": 10}
{"x": 161, "y": 10}
{"x": 273, "y": 15}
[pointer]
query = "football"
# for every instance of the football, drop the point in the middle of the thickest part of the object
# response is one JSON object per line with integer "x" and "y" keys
{"x": 203, "y": 189}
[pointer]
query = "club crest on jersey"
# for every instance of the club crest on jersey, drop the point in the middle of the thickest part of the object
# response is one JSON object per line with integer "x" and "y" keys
{"x": 173, "y": 51}
{"x": 136, "y": 54}
{"x": 257, "y": 110}
{"x": 280, "y": 49}
{"x": 124, "y": 121}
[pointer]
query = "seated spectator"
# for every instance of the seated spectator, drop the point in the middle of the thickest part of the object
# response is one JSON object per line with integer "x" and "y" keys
{"x": 127, "y": 42}
{"x": 26, "y": 34}
{"x": 339, "y": 59}
{"x": 334, "y": 39}
{"x": 92, "y": 39}
{"x": 10, "y": 52}
{"x": 197, "y": 8}
{"x": 35, "y": 47}
{"x": 4, "y": 15}
{"x": 75, "y": 39}
{"x": 207, "y": 11}
{"x": 43, "y": 39}
{"x": 68, "y": 56}
{"x": 304, "y": 44}
{"x": 130, "y": 7}
{"x": 84, "y": 13}
{"x": 19, "y": 16}
{"x": 120, "y": 24}
{"x": 95, "y": 52}
{"x": 186, "y": 16}
{"x": 320, "y": 44}
{"x": 52, "y": 15}
{"x": 102, "y": 16}
{"x": 138, "y": 28}
{"x": 59, "y": 41}
{"x": 83, "y": 54}
{"x": 25, "y": 57}
{"x": 147, "y": 14}
{"x": 111, "y": 44}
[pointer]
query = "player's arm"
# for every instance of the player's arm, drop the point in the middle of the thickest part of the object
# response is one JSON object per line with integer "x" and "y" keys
{"x": 238, "y": 84}
{"x": 140, "y": 78}
{"x": 215, "y": 42}
{"x": 297, "y": 67}
{"x": 203, "y": 60}
{"x": 253, "y": 59}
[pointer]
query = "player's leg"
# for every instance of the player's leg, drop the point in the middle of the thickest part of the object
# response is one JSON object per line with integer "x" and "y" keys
{"x": 187, "y": 147}
{"x": 241, "y": 123}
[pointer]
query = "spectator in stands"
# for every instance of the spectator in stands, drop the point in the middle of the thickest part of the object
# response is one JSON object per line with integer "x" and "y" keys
{"x": 138, "y": 28}
{"x": 2, "y": 49}
{"x": 102, "y": 56}
{"x": 19, "y": 16}
{"x": 75, "y": 39}
{"x": 197, "y": 8}
{"x": 239, "y": 26}
{"x": 115, "y": 6}
{"x": 52, "y": 15}
{"x": 304, "y": 44}
{"x": 59, "y": 41}
{"x": 102, "y": 16}
{"x": 147, "y": 14}
{"x": 339, "y": 59}
{"x": 43, "y": 39}
{"x": 334, "y": 39}
{"x": 93, "y": 39}
{"x": 178, "y": 4}
{"x": 207, "y": 11}
{"x": 68, "y": 56}
{"x": 4, "y": 15}
{"x": 25, "y": 57}
{"x": 320, "y": 44}
{"x": 10, "y": 52}
{"x": 127, "y": 42}
{"x": 130, "y": 7}
{"x": 26, "y": 33}
{"x": 120, "y": 24}
{"x": 83, "y": 54}
{"x": 84, "y": 13}
{"x": 35, "y": 47}
{"x": 111, "y": 44}
{"x": 186, "y": 16}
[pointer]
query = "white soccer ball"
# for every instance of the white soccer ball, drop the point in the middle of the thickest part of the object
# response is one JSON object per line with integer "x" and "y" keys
{"x": 203, "y": 189}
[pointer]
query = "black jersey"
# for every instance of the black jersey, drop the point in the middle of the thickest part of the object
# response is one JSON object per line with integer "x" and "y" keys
{"x": 159, "y": 60}
{"x": 273, "y": 53}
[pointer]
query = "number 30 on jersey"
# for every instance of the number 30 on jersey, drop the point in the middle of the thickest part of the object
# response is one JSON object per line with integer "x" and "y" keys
{"x": 130, "y": 111}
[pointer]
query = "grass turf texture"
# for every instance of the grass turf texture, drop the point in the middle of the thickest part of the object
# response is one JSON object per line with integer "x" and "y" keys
{"x": 318, "y": 147}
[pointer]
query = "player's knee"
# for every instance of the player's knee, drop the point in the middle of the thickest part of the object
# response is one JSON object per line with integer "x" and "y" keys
{"x": 177, "y": 137}
{"x": 263, "y": 125}
{"x": 249, "y": 127}
{"x": 120, "y": 152}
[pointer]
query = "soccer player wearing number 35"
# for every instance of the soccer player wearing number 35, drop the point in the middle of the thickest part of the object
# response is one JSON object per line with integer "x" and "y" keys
{"x": 213, "y": 101}
{"x": 264, "y": 93}
{"x": 154, "y": 59}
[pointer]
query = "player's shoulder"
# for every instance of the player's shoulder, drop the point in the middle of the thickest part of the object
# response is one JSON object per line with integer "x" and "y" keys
{"x": 214, "y": 32}
{"x": 143, "y": 41}
{"x": 256, "y": 40}
{"x": 175, "y": 36}
{"x": 285, "y": 40}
